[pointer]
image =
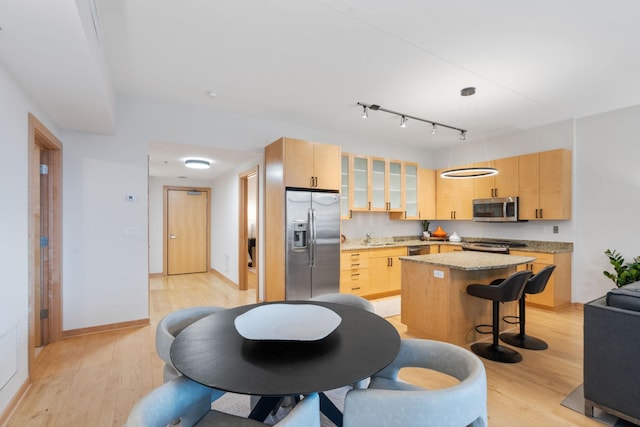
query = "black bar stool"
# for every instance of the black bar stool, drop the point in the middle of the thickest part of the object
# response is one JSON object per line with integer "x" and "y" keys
{"x": 535, "y": 285}
{"x": 511, "y": 289}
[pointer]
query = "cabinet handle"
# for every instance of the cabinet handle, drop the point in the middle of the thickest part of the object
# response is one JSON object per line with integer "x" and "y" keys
{"x": 311, "y": 182}
{"x": 355, "y": 289}
{"x": 405, "y": 214}
{"x": 540, "y": 212}
{"x": 350, "y": 214}
{"x": 355, "y": 265}
{"x": 369, "y": 208}
{"x": 355, "y": 275}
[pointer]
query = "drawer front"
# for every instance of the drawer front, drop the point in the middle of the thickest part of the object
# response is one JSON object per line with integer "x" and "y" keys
{"x": 354, "y": 281}
{"x": 388, "y": 252}
{"x": 543, "y": 258}
{"x": 353, "y": 263}
{"x": 353, "y": 257}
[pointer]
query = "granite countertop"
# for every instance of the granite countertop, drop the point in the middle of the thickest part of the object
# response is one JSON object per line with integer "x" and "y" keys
{"x": 391, "y": 242}
{"x": 470, "y": 260}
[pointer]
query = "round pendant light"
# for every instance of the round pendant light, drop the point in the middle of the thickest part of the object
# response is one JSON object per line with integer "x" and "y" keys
{"x": 463, "y": 173}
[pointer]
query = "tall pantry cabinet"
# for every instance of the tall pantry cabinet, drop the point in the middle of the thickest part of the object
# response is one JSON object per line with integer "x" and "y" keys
{"x": 291, "y": 163}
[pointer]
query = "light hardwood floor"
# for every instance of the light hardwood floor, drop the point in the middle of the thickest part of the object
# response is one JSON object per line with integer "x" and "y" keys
{"x": 94, "y": 380}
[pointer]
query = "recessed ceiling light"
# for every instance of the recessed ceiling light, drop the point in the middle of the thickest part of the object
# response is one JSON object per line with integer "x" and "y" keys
{"x": 212, "y": 94}
{"x": 197, "y": 164}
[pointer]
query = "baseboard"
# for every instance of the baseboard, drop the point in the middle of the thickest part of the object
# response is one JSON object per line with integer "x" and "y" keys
{"x": 155, "y": 275}
{"x": 13, "y": 403}
{"x": 104, "y": 328}
{"x": 223, "y": 277}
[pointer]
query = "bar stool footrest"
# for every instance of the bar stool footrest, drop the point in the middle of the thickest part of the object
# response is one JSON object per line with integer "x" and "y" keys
{"x": 476, "y": 328}
{"x": 512, "y": 320}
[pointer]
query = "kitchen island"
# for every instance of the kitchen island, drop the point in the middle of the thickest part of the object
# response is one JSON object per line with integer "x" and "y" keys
{"x": 435, "y": 304}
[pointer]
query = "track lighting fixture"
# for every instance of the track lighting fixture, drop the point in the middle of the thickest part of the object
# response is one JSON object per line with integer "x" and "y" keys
{"x": 365, "y": 113}
{"x": 405, "y": 117}
{"x": 463, "y": 135}
{"x": 433, "y": 129}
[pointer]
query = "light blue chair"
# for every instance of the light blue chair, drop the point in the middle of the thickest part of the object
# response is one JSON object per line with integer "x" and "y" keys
{"x": 346, "y": 299}
{"x": 190, "y": 403}
{"x": 170, "y": 326}
{"x": 390, "y": 402}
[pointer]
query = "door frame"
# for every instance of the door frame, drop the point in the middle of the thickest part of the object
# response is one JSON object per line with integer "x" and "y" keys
{"x": 165, "y": 223}
{"x": 243, "y": 246}
{"x": 40, "y": 138}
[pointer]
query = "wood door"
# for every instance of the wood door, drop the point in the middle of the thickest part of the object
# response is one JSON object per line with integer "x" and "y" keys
{"x": 506, "y": 182}
{"x": 187, "y": 231}
{"x": 484, "y": 187}
{"x": 359, "y": 186}
{"x": 555, "y": 184}
{"x": 326, "y": 166}
{"x": 298, "y": 163}
{"x": 445, "y": 196}
{"x": 529, "y": 185}
{"x": 378, "y": 172}
{"x": 426, "y": 193}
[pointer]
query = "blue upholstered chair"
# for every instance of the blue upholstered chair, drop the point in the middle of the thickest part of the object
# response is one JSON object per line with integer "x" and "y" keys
{"x": 190, "y": 402}
{"x": 346, "y": 299}
{"x": 390, "y": 402}
{"x": 170, "y": 326}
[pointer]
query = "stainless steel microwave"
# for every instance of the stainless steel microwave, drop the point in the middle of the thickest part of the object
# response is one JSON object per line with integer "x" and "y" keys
{"x": 498, "y": 209}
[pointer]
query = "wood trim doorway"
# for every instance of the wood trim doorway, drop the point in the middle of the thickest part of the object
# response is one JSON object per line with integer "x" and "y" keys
{"x": 243, "y": 229}
{"x": 45, "y": 263}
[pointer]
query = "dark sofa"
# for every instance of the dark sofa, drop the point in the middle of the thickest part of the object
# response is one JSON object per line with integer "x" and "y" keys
{"x": 612, "y": 353}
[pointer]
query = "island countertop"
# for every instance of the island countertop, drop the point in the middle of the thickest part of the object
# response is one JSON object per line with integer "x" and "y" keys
{"x": 470, "y": 260}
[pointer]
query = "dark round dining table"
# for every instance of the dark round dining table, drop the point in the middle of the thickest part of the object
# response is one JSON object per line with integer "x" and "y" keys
{"x": 213, "y": 353}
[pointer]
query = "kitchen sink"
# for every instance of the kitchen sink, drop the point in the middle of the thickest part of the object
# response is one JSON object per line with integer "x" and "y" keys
{"x": 382, "y": 244}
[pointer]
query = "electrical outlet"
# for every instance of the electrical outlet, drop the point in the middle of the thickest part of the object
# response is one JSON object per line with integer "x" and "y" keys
{"x": 555, "y": 229}
{"x": 438, "y": 273}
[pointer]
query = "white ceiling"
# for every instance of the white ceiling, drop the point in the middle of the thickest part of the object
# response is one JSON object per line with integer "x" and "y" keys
{"x": 309, "y": 62}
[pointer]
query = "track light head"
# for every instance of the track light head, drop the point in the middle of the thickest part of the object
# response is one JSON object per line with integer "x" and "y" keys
{"x": 433, "y": 129}
{"x": 463, "y": 135}
{"x": 403, "y": 122}
{"x": 365, "y": 114}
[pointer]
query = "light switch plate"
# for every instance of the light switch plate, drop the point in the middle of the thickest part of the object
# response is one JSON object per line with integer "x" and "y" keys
{"x": 438, "y": 273}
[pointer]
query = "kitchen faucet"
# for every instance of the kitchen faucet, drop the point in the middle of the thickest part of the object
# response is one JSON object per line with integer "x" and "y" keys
{"x": 368, "y": 238}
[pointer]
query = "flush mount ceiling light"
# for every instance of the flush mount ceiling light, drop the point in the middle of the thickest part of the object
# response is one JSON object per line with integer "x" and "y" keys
{"x": 197, "y": 164}
{"x": 405, "y": 117}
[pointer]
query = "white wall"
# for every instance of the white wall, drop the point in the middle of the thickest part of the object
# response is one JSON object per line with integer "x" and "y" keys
{"x": 14, "y": 251}
{"x": 607, "y": 188}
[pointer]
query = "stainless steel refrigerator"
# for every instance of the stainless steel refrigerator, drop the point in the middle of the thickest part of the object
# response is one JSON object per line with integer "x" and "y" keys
{"x": 312, "y": 261}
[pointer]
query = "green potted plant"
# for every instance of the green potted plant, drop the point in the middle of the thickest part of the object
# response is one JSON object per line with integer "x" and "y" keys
{"x": 625, "y": 273}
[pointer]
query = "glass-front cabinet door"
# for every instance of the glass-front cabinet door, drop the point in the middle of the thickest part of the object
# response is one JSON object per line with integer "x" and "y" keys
{"x": 345, "y": 178}
{"x": 378, "y": 184}
{"x": 360, "y": 183}
{"x": 394, "y": 186}
{"x": 411, "y": 190}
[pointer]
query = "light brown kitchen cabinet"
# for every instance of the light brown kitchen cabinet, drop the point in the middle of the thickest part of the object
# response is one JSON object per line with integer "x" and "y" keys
{"x": 504, "y": 184}
{"x": 310, "y": 164}
{"x": 426, "y": 193}
{"x": 354, "y": 272}
{"x": 557, "y": 293}
{"x": 291, "y": 163}
{"x": 453, "y": 197}
{"x": 544, "y": 185}
{"x": 385, "y": 271}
